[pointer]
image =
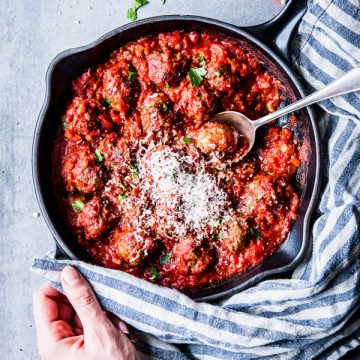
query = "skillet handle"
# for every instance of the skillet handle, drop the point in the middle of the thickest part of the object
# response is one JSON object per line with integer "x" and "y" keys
{"x": 277, "y": 33}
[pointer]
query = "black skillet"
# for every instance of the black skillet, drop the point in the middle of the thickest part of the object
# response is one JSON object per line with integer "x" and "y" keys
{"x": 270, "y": 42}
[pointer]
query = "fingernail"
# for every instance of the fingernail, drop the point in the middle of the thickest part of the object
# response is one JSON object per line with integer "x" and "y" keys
{"x": 70, "y": 275}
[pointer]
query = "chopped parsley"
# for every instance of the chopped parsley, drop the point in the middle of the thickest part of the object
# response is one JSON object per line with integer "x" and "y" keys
{"x": 202, "y": 61}
{"x": 78, "y": 205}
{"x": 134, "y": 169}
{"x": 255, "y": 233}
{"x": 218, "y": 73}
{"x": 218, "y": 222}
{"x": 154, "y": 273}
{"x": 107, "y": 102}
{"x": 164, "y": 107}
{"x": 167, "y": 85}
{"x": 99, "y": 158}
{"x": 258, "y": 198}
{"x": 166, "y": 258}
{"x": 219, "y": 235}
{"x": 132, "y": 12}
{"x": 132, "y": 73}
{"x": 187, "y": 140}
{"x": 197, "y": 74}
{"x": 123, "y": 196}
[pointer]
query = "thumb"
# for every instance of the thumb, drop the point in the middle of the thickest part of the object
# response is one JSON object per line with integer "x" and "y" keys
{"x": 82, "y": 298}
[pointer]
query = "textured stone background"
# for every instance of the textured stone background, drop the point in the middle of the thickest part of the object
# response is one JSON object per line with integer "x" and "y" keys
{"x": 32, "y": 33}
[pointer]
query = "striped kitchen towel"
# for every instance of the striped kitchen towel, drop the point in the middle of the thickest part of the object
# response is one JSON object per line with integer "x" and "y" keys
{"x": 315, "y": 312}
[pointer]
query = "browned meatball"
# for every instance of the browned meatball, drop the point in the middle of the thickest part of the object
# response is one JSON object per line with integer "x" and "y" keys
{"x": 190, "y": 258}
{"x": 233, "y": 235}
{"x": 221, "y": 79}
{"x": 80, "y": 170}
{"x": 155, "y": 113}
{"x": 133, "y": 247}
{"x": 165, "y": 68}
{"x": 80, "y": 121}
{"x": 196, "y": 104}
{"x": 94, "y": 218}
{"x": 216, "y": 136}
{"x": 121, "y": 88}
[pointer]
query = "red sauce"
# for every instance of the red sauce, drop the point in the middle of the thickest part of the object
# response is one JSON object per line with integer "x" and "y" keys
{"x": 147, "y": 184}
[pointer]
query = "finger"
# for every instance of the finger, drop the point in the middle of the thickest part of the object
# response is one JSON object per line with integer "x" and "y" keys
{"x": 45, "y": 307}
{"x": 82, "y": 298}
{"x": 118, "y": 323}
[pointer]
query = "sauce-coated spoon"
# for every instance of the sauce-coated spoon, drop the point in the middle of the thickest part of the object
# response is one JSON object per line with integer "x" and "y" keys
{"x": 348, "y": 83}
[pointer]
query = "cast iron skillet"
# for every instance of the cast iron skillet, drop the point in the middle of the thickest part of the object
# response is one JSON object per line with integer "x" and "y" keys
{"x": 71, "y": 63}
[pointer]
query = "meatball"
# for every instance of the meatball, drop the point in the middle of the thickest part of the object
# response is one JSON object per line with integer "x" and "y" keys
{"x": 80, "y": 121}
{"x": 165, "y": 68}
{"x": 86, "y": 85}
{"x": 197, "y": 104}
{"x": 80, "y": 170}
{"x": 94, "y": 218}
{"x": 233, "y": 235}
{"x": 281, "y": 160}
{"x": 220, "y": 78}
{"x": 216, "y": 136}
{"x": 132, "y": 246}
{"x": 155, "y": 113}
{"x": 190, "y": 258}
{"x": 121, "y": 88}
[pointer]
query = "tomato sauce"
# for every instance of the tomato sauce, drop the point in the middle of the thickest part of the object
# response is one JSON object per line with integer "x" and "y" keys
{"x": 149, "y": 186}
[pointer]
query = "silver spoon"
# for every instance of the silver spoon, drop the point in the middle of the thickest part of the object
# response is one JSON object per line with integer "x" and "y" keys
{"x": 348, "y": 83}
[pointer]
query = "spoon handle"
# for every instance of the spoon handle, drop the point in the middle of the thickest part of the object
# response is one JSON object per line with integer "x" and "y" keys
{"x": 348, "y": 83}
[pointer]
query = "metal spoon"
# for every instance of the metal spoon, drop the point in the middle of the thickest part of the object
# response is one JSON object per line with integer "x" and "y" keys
{"x": 348, "y": 83}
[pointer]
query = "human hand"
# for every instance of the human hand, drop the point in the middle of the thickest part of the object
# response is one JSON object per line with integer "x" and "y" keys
{"x": 74, "y": 327}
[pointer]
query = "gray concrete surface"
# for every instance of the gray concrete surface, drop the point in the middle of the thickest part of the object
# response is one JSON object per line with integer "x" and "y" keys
{"x": 31, "y": 34}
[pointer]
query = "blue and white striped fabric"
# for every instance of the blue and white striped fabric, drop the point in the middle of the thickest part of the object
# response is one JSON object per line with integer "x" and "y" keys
{"x": 315, "y": 313}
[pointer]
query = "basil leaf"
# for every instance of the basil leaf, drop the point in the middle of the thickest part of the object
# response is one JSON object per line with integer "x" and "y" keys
{"x": 218, "y": 222}
{"x": 218, "y": 73}
{"x": 255, "y": 233}
{"x": 107, "y": 102}
{"x": 167, "y": 85}
{"x": 196, "y": 76}
{"x": 166, "y": 258}
{"x": 164, "y": 107}
{"x": 99, "y": 158}
{"x": 187, "y": 140}
{"x": 134, "y": 169}
{"x": 132, "y": 12}
{"x": 202, "y": 61}
{"x": 219, "y": 235}
{"x": 78, "y": 205}
{"x": 154, "y": 273}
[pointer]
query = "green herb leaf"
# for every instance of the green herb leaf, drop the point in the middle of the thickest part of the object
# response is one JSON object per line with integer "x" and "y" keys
{"x": 187, "y": 140}
{"x": 259, "y": 198}
{"x": 202, "y": 61}
{"x": 196, "y": 76}
{"x": 166, "y": 258}
{"x": 132, "y": 12}
{"x": 255, "y": 233}
{"x": 219, "y": 235}
{"x": 107, "y": 102}
{"x": 78, "y": 205}
{"x": 167, "y": 85}
{"x": 123, "y": 196}
{"x": 134, "y": 169}
{"x": 218, "y": 222}
{"x": 218, "y": 73}
{"x": 154, "y": 273}
{"x": 99, "y": 158}
{"x": 164, "y": 107}
{"x": 132, "y": 73}
{"x": 163, "y": 1}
